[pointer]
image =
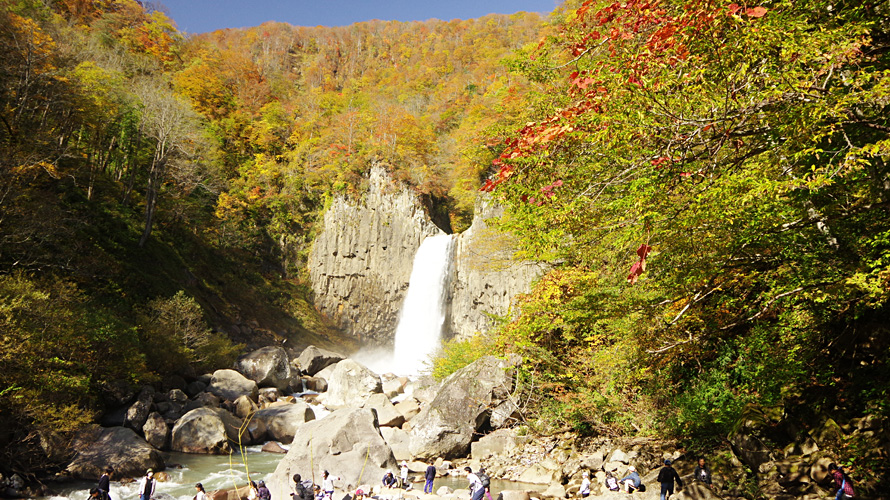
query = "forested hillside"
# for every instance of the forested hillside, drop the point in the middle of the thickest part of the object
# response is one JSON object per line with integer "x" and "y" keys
{"x": 158, "y": 193}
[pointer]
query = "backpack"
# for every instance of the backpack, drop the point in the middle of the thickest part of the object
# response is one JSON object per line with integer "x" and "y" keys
{"x": 486, "y": 481}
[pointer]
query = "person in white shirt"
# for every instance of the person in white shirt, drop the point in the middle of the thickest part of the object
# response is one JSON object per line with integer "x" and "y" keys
{"x": 584, "y": 491}
{"x": 147, "y": 485}
{"x": 476, "y": 488}
{"x": 403, "y": 475}
{"x": 200, "y": 495}
{"x": 327, "y": 484}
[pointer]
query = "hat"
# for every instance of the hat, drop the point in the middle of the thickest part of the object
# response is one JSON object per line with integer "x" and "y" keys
{"x": 631, "y": 468}
{"x": 150, "y": 471}
{"x": 667, "y": 461}
{"x": 404, "y": 462}
{"x": 585, "y": 474}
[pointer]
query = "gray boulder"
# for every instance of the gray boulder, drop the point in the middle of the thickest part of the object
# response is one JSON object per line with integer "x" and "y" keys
{"x": 313, "y": 359}
{"x": 398, "y": 440}
{"x": 498, "y": 442}
{"x": 351, "y": 385}
{"x": 138, "y": 411}
{"x": 387, "y": 414}
{"x": 201, "y": 400}
{"x": 282, "y": 421}
{"x": 409, "y": 408}
{"x": 229, "y": 385}
{"x": 118, "y": 447}
{"x": 244, "y": 406}
{"x": 346, "y": 442}
{"x": 325, "y": 373}
{"x": 200, "y": 431}
{"x": 156, "y": 431}
{"x": 504, "y": 414}
{"x": 446, "y": 427}
{"x": 267, "y": 366}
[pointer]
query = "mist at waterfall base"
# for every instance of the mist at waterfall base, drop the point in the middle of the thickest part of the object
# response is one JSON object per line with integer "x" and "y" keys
{"x": 419, "y": 332}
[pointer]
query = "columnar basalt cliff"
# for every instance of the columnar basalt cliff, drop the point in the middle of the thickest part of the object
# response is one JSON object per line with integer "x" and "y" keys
{"x": 486, "y": 276}
{"x": 361, "y": 262}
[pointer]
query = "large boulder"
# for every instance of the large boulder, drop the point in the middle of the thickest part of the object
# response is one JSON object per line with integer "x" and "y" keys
{"x": 229, "y": 385}
{"x": 748, "y": 439}
{"x": 282, "y": 421}
{"x": 201, "y": 430}
{"x": 446, "y": 427}
{"x": 201, "y": 400}
{"x": 313, "y": 359}
{"x": 351, "y": 385}
{"x": 118, "y": 447}
{"x": 347, "y": 442}
{"x": 408, "y": 407}
{"x": 156, "y": 431}
{"x": 398, "y": 440}
{"x": 267, "y": 366}
{"x": 387, "y": 414}
{"x": 138, "y": 411}
{"x": 499, "y": 442}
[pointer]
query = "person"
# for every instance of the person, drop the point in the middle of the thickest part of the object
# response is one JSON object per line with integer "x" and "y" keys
{"x": 359, "y": 494}
{"x": 584, "y": 491}
{"x": 200, "y": 493}
{"x": 403, "y": 476}
{"x": 666, "y": 476}
{"x": 95, "y": 494}
{"x": 252, "y": 491}
{"x": 147, "y": 485}
{"x": 476, "y": 488}
{"x": 327, "y": 484}
{"x": 632, "y": 480}
{"x": 301, "y": 492}
{"x": 319, "y": 495}
{"x": 262, "y": 492}
{"x": 389, "y": 480}
{"x": 104, "y": 486}
{"x": 485, "y": 479}
{"x": 611, "y": 481}
{"x": 702, "y": 472}
{"x": 430, "y": 476}
{"x": 843, "y": 482}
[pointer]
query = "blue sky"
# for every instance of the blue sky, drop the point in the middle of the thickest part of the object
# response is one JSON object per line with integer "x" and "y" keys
{"x": 199, "y": 16}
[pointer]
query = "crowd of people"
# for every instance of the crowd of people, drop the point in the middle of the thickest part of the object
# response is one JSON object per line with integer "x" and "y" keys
{"x": 479, "y": 483}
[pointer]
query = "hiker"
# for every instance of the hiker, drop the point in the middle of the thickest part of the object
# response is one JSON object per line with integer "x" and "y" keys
{"x": 584, "y": 490}
{"x": 147, "y": 485}
{"x": 843, "y": 482}
{"x": 403, "y": 476}
{"x": 252, "y": 491}
{"x": 200, "y": 493}
{"x": 702, "y": 473}
{"x": 105, "y": 484}
{"x": 301, "y": 492}
{"x": 611, "y": 481}
{"x": 632, "y": 480}
{"x": 476, "y": 488}
{"x": 262, "y": 492}
{"x": 327, "y": 484}
{"x": 389, "y": 480}
{"x": 485, "y": 479}
{"x": 430, "y": 475}
{"x": 316, "y": 489}
{"x": 666, "y": 476}
{"x": 95, "y": 494}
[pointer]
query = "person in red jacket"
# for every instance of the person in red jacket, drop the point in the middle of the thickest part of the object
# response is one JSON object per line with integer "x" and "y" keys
{"x": 842, "y": 480}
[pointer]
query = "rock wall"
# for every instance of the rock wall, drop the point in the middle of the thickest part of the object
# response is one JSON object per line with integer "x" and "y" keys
{"x": 486, "y": 276}
{"x": 361, "y": 261}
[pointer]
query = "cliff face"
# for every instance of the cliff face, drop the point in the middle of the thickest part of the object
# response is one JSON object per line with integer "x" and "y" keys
{"x": 486, "y": 276}
{"x": 361, "y": 262}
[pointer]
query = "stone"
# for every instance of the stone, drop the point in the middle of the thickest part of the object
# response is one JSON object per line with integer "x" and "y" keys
{"x": 504, "y": 414}
{"x": 138, "y": 411}
{"x": 200, "y": 431}
{"x": 398, "y": 440}
{"x": 156, "y": 431}
{"x": 619, "y": 456}
{"x": 593, "y": 461}
{"x": 229, "y": 385}
{"x": 119, "y": 447}
{"x": 201, "y": 400}
{"x": 540, "y": 474}
{"x": 244, "y": 406}
{"x": 325, "y": 373}
{"x": 282, "y": 421}
{"x": 177, "y": 396}
{"x": 447, "y": 426}
{"x": 118, "y": 392}
{"x": 314, "y": 359}
{"x": 256, "y": 431}
{"x": 555, "y": 490}
{"x": 444, "y": 490}
{"x": 269, "y": 394}
{"x": 347, "y": 441}
{"x": 394, "y": 387}
{"x": 267, "y": 366}
{"x": 747, "y": 439}
{"x": 194, "y": 388}
{"x": 351, "y": 384}
{"x": 424, "y": 389}
{"x": 316, "y": 384}
{"x": 695, "y": 491}
{"x": 499, "y": 442}
{"x": 387, "y": 414}
{"x": 819, "y": 470}
{"x": 513, "y": 495}
{"x": 273, "y": 447}
{"x": 408, "y": 407}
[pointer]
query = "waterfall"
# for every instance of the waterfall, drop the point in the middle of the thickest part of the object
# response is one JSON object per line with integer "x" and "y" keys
{"x": 419, "y": 331}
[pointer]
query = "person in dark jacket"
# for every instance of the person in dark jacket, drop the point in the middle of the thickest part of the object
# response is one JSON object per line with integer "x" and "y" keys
{"x": 702, "y": 473}
{"x": 389, "y": 480}
{"x": 301, "y": 492}
{"x": 842, "y": 481}
{"x": 105, "y": 483}
{"x": 430, "y": 475}
{"x": 632, "y": 480}
{"x": 666, "y": 476}
{"x": 262, "y": 492}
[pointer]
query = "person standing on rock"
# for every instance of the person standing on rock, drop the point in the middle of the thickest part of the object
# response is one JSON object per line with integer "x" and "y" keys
{"x": 476, "y": 488}
{"x": 632, "y": 480}
{"x": 200, "y": 494}
{"x": 702, "y": 473}
{"x": 584, "y": 490}
{"x": 666, "y": 476}
{"x": 485, "y": 479}
{"x": 262, "y": 492}
{"x": 430, "y": 476}
{"x": 403, "y": 476}
{"x": 327, "y": 484}
{"x": 147, "y": 485}
{"x": 105, "y": 483}
{"x": 301, "y": 492}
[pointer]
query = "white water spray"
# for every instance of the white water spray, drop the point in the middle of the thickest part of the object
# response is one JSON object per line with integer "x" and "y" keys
{"x": 419, "y": 332}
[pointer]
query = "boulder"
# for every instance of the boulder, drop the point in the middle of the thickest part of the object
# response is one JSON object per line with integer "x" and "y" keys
{"x": 387, "y": 415}
{"x": 695, "y": 491}
{"x": 255, "y": 431}
{"x": 273, "y": 447}
{"x": 201, "y": 400}
{"x": 347, "y": 441}
{"x": 316, "y": 384}
{"x": 395, "y": 386}
{"x": 351, "y": 385}
{"x": 138, "y": 411}
{"x": 749, "y": 436}
{"x": 156, "y": 431}
{"x": 313, "y": 359}
{"x": 229, "y": 385}
{"x": 444, "y": 490}
{"x": 498, "y": 442}
{"x": 118, "y": 447}
{"x": 398, "y": 440}
{"x": 269, "y": 394}
{"x": 424, "y": 389}
{"x": 513, "y": 495}
{"x": 446, "y": 427}
{"x": 244, "y": 406}
{"x": 267, "y": 366}
{"x": 282, "y": 420}
{"x": 409, "y": 408}
{"x": 504, "y": 414}
{"x": 194, "y": 388}
{"x": 200, "y": 431}
{"x": 325, "y": 373}
{"x": 177, "y": 396}
{"x": 541, "y": 473}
